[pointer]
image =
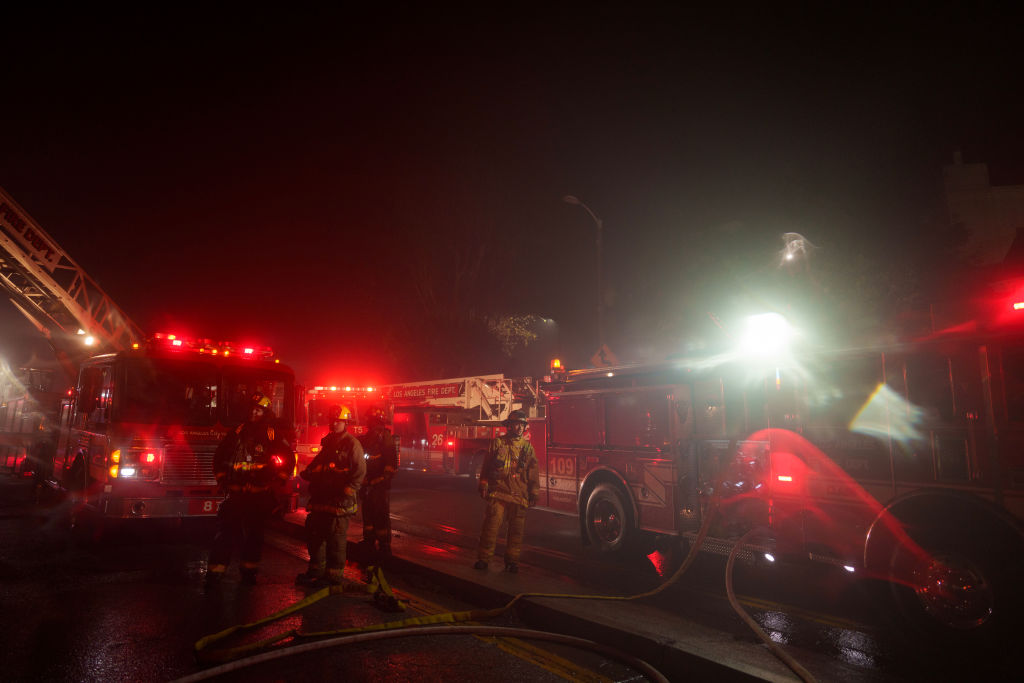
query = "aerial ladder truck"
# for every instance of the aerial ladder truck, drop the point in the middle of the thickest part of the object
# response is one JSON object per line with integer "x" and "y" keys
{"x": 135, "y": 435}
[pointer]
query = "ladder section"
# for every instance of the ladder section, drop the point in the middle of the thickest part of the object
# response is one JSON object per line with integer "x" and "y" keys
{"x": 50, "y": 289}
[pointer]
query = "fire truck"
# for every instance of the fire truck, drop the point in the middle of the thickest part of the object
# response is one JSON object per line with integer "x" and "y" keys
{"x": 140, "y": 423}
{"x": 314, "y": 420}
{"x": 444, "y": 425}
{"x": 29, "y": 396}
{"x": 902, "y": 462}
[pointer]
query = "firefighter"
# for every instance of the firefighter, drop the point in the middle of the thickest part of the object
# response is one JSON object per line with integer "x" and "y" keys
{"x": 510, "y": 483}
{"x": 253, "y": 464}
{"x": 381, "y": 465}
{"x": 334, "y": 477}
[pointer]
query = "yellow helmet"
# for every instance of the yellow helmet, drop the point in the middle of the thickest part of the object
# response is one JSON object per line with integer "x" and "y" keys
{"x": 341, "y": 414}
{"x": 258, "y": 399}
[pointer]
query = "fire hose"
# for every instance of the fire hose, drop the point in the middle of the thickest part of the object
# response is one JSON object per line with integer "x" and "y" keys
{"x": 240, "y": 657}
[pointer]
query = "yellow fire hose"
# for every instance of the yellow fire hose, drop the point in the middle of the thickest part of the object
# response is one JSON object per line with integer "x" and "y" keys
{"x": 381, "y": 590}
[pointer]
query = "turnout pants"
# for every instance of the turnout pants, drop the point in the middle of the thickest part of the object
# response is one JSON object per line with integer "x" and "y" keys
{"x": 241, "y": 520}
{"x": 496, "y": 512}
{"x": 326, "y": 531}
{"x": 377, "y": 518}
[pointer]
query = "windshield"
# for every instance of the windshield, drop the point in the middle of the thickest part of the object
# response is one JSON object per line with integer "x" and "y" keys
{"x": 241, "y": 383}
{"x": 165, "y": 391}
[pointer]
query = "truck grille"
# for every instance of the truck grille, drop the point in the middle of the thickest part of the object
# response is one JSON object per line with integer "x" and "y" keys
{"x": 188, "y": 467}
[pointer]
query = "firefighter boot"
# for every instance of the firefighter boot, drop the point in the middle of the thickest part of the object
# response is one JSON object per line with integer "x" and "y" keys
{"x": 248, "y": 572}
{"x": 310, "y": 577}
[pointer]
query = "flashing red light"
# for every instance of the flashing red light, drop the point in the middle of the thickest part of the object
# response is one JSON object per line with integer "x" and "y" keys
{"x": 785, "y": 477}
{"x": 451, "y": 443}
{"x": 150, "y": 457}
{"x": 249, "y": 351}
{"x": 1018, "y": 305}
{"x": 176, "y": 342}
{"x": 278, "y": 460}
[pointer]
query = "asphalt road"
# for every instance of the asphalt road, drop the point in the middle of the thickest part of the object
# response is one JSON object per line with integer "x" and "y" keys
{"x": 842, "y": 627}
{"x": 132, "y": 605}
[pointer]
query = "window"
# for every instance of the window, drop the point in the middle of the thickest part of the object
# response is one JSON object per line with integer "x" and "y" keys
{"x": 709, "y": 408}
{"x": 169, "y": 392}
{"x": 574, "y": 420}
{"x": 95, "y": 395}
{"x": 637, "y": 419}
{"x": 318, "y": 416}
{"x": 842, "y": 389}
{"x": 242, "y": 383}
{"x": 929, "y": 386}
{"x": 1013, "y": 380}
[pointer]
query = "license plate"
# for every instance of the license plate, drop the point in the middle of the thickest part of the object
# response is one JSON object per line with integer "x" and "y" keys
{"x": 200, "y": 506}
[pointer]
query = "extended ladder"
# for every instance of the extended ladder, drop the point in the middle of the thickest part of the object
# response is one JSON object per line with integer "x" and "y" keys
{"x": 53, "y": 291}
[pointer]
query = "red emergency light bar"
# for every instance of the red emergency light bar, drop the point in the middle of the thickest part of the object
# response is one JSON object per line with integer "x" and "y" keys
{"x": 208, "y": 346}
{"x": 348, "y": 389}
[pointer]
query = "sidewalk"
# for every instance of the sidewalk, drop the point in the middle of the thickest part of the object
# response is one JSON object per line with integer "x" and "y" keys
{"x": 680, "y": 649}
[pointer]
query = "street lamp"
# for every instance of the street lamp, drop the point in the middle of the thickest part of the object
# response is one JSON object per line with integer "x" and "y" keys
{"x": 569, "y": 199}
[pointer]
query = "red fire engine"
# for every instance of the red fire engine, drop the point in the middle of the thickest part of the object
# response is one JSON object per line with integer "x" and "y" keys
{"x": 29, "y": 397}
{"x": 314, "y": 421}
{"x": 902, "y": 463}
{"x": 139, "y": 427}
{"x": 445, "y": 425}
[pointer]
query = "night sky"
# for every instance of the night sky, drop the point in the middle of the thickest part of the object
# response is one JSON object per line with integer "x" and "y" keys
{"x": 313, "y": 178}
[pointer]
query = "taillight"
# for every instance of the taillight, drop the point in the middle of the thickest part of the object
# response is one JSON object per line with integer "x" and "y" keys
{"x": 135, "y": 463}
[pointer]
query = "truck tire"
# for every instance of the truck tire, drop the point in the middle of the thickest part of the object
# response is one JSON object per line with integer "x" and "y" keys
{"x": 963, "y": 590}
{"x": 609, "y": 520}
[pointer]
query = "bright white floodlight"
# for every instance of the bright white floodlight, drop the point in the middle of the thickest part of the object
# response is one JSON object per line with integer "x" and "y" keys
{"x": 766, "y": 334}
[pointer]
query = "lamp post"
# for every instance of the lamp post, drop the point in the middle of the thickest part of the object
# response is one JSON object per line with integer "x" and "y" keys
{"x": 569, "y": 199}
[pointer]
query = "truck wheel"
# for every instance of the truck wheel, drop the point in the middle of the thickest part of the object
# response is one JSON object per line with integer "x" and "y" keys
{"x": 960, "y": 590}
{"x": 609, "y": 520}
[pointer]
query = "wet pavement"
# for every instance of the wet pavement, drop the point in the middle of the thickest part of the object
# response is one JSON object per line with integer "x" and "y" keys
{"x": 677, "y": 647}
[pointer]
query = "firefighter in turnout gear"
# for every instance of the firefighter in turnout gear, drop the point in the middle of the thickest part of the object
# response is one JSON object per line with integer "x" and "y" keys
{"x": 252, "y": 464}
{"x": 334, "y": 477}
{"x": 381, "y": 465}
{"x": 510, "y": 483}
